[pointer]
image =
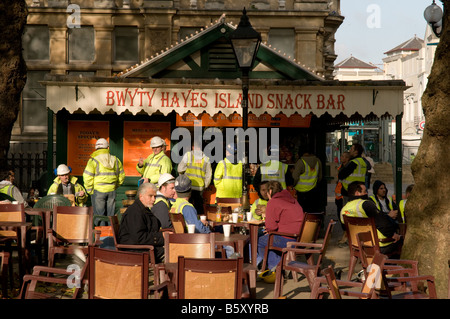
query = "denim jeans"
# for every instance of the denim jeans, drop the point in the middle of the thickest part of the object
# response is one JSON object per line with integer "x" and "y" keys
{"x": 104, "y": 204}
{"x": 274, "y": 256}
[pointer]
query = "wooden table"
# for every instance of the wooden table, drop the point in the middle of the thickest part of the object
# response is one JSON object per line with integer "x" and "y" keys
{"x": 21, "y": 228}
{"x": 253, "y": 227}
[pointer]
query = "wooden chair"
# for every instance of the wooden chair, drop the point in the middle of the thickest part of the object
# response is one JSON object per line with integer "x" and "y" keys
{"x": 311, "y": 268}
{"x": 178, "y": 223}
{"x": 335, "y": 288}
{"x": 392, "y": 267}
{"x": 10, "y": 235}
{"x": 232, "y": 203}
{"x": 4, "y": 265}
{"x": 353, "y": 226}
{"x": 210, "y": 278}
{"x": 72, "y": 231}
{"x": 308, "y": 233}
{"x": 31, "y": 282}
{"x": 117, "y": 274}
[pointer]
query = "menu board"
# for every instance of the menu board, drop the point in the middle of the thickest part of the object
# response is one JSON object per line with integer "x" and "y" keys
{"x": 81, "y": 139}
{"x": 136, "y": 142}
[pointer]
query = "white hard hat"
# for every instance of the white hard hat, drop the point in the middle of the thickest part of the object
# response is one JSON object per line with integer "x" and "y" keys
{"x": 101, "y": 143}
{"x": 164, "y": 178}
{"x": 62, "y": 170}
{"x": 157, "y": 141}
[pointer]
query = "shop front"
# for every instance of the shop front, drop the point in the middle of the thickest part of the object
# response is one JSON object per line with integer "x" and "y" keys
{"x": 196, "y": 86}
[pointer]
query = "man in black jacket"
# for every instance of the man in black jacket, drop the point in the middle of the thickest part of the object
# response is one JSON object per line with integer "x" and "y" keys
{"x": 139, "y": 226}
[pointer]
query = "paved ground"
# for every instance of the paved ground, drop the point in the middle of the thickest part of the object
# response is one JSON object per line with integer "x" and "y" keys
{"x": 336, "y": 256}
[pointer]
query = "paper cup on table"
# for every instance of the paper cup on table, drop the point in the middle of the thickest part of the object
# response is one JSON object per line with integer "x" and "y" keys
{"x": 226, "y": 230}
{"x": 249, "y": 216}
{"x": 191, "y": 228}
{"x": 235, "y": 217}
{"x": 202, "y": 217}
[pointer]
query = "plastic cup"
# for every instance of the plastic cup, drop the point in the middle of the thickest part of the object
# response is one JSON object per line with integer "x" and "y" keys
{"x": 249, "y": 216}
{"x": 191, "y": 228}
{"x": 235, "y": 217}
{"x": 226, "y": 230}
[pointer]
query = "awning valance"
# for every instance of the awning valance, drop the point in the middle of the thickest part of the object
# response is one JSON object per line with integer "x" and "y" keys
{"x": 183, "y": 98}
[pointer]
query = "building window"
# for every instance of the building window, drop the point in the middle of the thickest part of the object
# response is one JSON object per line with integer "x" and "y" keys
{"x": 283, "y": 40}
{"x": 34, "y": 112}
{"x": 126, "y": 44}
{"x": 35, "y": 42}
{"x": 81, "y": 44}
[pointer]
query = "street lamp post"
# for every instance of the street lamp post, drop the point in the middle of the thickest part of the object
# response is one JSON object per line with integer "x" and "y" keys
{"x": 245, "y": 42}
{"x": 433, "y": 14}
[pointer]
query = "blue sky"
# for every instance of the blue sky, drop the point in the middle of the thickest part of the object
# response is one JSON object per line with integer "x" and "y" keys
{"x": 372, "y": 27}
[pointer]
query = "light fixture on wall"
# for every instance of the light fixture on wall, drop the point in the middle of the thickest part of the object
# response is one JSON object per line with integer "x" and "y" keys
{"x": 433, "y": 14}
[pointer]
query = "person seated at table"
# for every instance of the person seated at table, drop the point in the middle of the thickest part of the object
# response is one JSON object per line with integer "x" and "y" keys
{"x": 139, "y": 226}
{"x": 65, "y": 184}
{"x": 183, "y": 206}
{"x": 258, "y": 208}
{"x": 7, "y": 187}
{"x": 164, "y": 199}
{"x": 283, "y": 214}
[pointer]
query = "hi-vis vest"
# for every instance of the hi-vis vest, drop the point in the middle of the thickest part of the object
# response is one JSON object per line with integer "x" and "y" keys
{"x": 179, "y": 204}
{"x": 354, "y": 209}
{"x": 196, "y": 171}
{"x": 374, "y": 199}
{"x": 154, "y": 166}
{"x": 228, "y": 179}
{"x": 8, "y": 190}
{"x": 308, "y": 179}
{"x": 358, "y": 175}
{"x": 401, "y": 207}
{"x": 160, "y": 198}
{"x": 274, "y": 171}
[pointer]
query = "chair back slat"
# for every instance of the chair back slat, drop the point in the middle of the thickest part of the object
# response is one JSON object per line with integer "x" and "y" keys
{"x": 311, "y": 227}
{"x": 73, "y": 227}
{"x": 178, "y": 223}
{"x": 188, "y": 245}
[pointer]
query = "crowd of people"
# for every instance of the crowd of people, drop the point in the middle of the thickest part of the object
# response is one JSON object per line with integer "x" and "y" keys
{"x": 159, "y": 192}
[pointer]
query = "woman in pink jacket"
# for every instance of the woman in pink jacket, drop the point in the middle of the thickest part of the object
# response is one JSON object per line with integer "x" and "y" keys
{"x": 283, "y": 214}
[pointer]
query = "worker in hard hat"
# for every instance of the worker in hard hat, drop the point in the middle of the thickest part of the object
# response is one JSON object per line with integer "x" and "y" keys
{"x": 164, "y": 199}
{"x": 228, "y": 175}
{"x": 102, "y": 176}
{"x": 65, "y": 184}
{"x": 156, "y": 163}
{"x": 197, "y": 167}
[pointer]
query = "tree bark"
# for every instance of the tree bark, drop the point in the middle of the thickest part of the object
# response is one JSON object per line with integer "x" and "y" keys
{"x": 428, "y": 207}
{"x": 13, "y": 72}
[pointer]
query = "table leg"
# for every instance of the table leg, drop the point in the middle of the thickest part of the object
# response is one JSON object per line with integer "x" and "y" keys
{"x": 254, "y": 243}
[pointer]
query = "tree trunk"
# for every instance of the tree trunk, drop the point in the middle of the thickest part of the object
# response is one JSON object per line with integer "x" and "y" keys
{"x": 13, "y": 72}
{"x": 428, "y": 207}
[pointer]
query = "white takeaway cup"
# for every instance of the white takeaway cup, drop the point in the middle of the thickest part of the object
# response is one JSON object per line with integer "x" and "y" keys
{"x": 202, "y": 217}
{"x": 191, "y": 228}
{"x": 235, "y": 217}
{"x": 226, "y": 230}
{"x": 249, "y": 216}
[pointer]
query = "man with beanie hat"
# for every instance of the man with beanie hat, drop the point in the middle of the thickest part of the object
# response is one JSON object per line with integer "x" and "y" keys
{"x": 65, "y": 184}
{"x": 182, "y": 205}
{"x": 102, "y": 176}
{"x": 384, "y": 203}
{"x": 164, "y": 199}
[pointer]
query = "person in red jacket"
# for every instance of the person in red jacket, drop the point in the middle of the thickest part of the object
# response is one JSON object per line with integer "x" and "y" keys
{"x": 283, "y": 214}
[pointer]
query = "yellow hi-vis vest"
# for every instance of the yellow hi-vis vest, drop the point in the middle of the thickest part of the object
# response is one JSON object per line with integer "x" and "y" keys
{"x": 401, "y": 207}
{"x": 8, "y": 190}
{"x": 354, "y": 209}
{"x": 274, "y": 171}
{"x": 160, "y": 198}
{"x": 154, "y": 166}
{"x": 179, "y": 204}
{"x": 308, "y": 179}
{"x": 374, "y": 199}
{"x": 228, "y": 179}
{"x": 358, "y": 175}
{"x": 195, "y": 171}
{"x": 104, "y": 172}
